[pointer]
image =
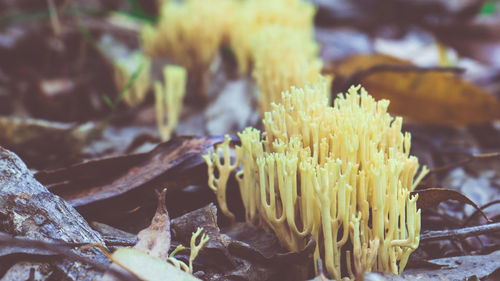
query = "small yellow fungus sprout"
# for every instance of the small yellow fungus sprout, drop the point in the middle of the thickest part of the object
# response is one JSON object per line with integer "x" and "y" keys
{"x": 195, "y": 248}
{"x": 169, "y": 98}
{"x": 125, "y": 69}
{"x": 283, "y": 57}
{"x": 340, "y": 174}
{"x": 251, "y": 16}
{"x": 224, "y": 170}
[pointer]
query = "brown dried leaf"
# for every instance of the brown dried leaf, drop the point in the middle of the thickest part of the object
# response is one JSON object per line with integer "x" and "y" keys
{"x": 432, "y": 95}
{"x": 103, "y": 179}
{"x": 431, "y": 197}
{"x": 155, "y": 240}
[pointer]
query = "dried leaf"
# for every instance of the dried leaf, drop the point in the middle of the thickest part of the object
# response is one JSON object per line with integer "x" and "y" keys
{"x": 431, "y": 197}
{"x": 432, "y": 95}
{"x": 147, "y": 267}
{"x": 103, "y": 179}
{"x": 155, "y": 240}
{"x": 261, "y": 246}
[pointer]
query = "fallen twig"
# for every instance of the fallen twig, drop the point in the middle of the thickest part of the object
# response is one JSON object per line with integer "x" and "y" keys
{"x": 480, "y": 210}
{"x": 467, "y": 160}
{"x": 61, "y": 248}
{"x": 459, "y": 233}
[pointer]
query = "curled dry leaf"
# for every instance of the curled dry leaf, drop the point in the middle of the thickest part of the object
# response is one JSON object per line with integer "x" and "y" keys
{"x": 148, "y": 259}
{"x": 428, "y": 95}
{"x": 431, "y": 197}
{"x": 155, "y": 240}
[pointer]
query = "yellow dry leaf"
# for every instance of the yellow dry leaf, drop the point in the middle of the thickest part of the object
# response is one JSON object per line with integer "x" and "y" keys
{"x": 428, "y": 96}
{"x": 147, "y": 267}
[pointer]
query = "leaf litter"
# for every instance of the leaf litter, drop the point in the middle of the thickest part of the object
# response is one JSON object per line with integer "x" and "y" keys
{"x": 415, "y": 57}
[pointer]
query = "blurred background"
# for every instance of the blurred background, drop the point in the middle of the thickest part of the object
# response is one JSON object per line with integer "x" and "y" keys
{"x": 81, "y": 80}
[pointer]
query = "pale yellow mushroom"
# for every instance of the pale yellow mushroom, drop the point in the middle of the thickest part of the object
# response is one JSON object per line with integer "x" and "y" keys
{"x": 218, "y": 185}
{"x": 189, "y": 32}
{"x": 283, "y": 57}
{"x": 275, "y": 37}
{"x": 251, "y": 16}
{"x": 169, "y": 98}
{"x": 341, "y": 173}
{"x": 195, "y": 249}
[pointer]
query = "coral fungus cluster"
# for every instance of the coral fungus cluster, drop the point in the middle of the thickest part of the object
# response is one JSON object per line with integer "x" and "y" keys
{"x": 275, "y": 37}
{"x": 340, "y": 174}
{"x": 189, "y": 32}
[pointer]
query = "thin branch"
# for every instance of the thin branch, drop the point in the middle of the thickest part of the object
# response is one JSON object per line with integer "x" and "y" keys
{"x": 460, "y": 233}
{"x": 123, "y": 242}
{"x": 467, "y": 160}
{"x": 479, "y": 210}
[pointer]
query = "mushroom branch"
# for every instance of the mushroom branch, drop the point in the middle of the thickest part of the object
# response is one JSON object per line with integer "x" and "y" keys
{"x": 341, "y": 174}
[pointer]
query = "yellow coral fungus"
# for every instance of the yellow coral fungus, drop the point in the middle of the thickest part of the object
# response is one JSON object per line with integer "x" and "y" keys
{"x": 189, "y": 32}
{"x": 195, "y": 249}
{"x": 169, "y": 99}
{"x": 253, "y": 15}
{"x": 283, "y": 57}
{"x": 341, "y": 174}
{"x": 124, "y": 70}
{"x": 276, "y": 36}
{"x": 224, "y": 170}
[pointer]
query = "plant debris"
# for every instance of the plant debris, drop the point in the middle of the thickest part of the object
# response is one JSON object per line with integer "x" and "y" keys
{"x": 94, "y": 134}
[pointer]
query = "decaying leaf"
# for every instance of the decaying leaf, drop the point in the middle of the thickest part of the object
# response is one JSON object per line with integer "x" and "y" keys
{"x": 433, "y": 95}
{"x": 99, "y": 180}
{"x": 155, "y": 240}
{"x": 431, "y": 197}
{"x": 148, "y": 259}
{"x": 261, "y": 246}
